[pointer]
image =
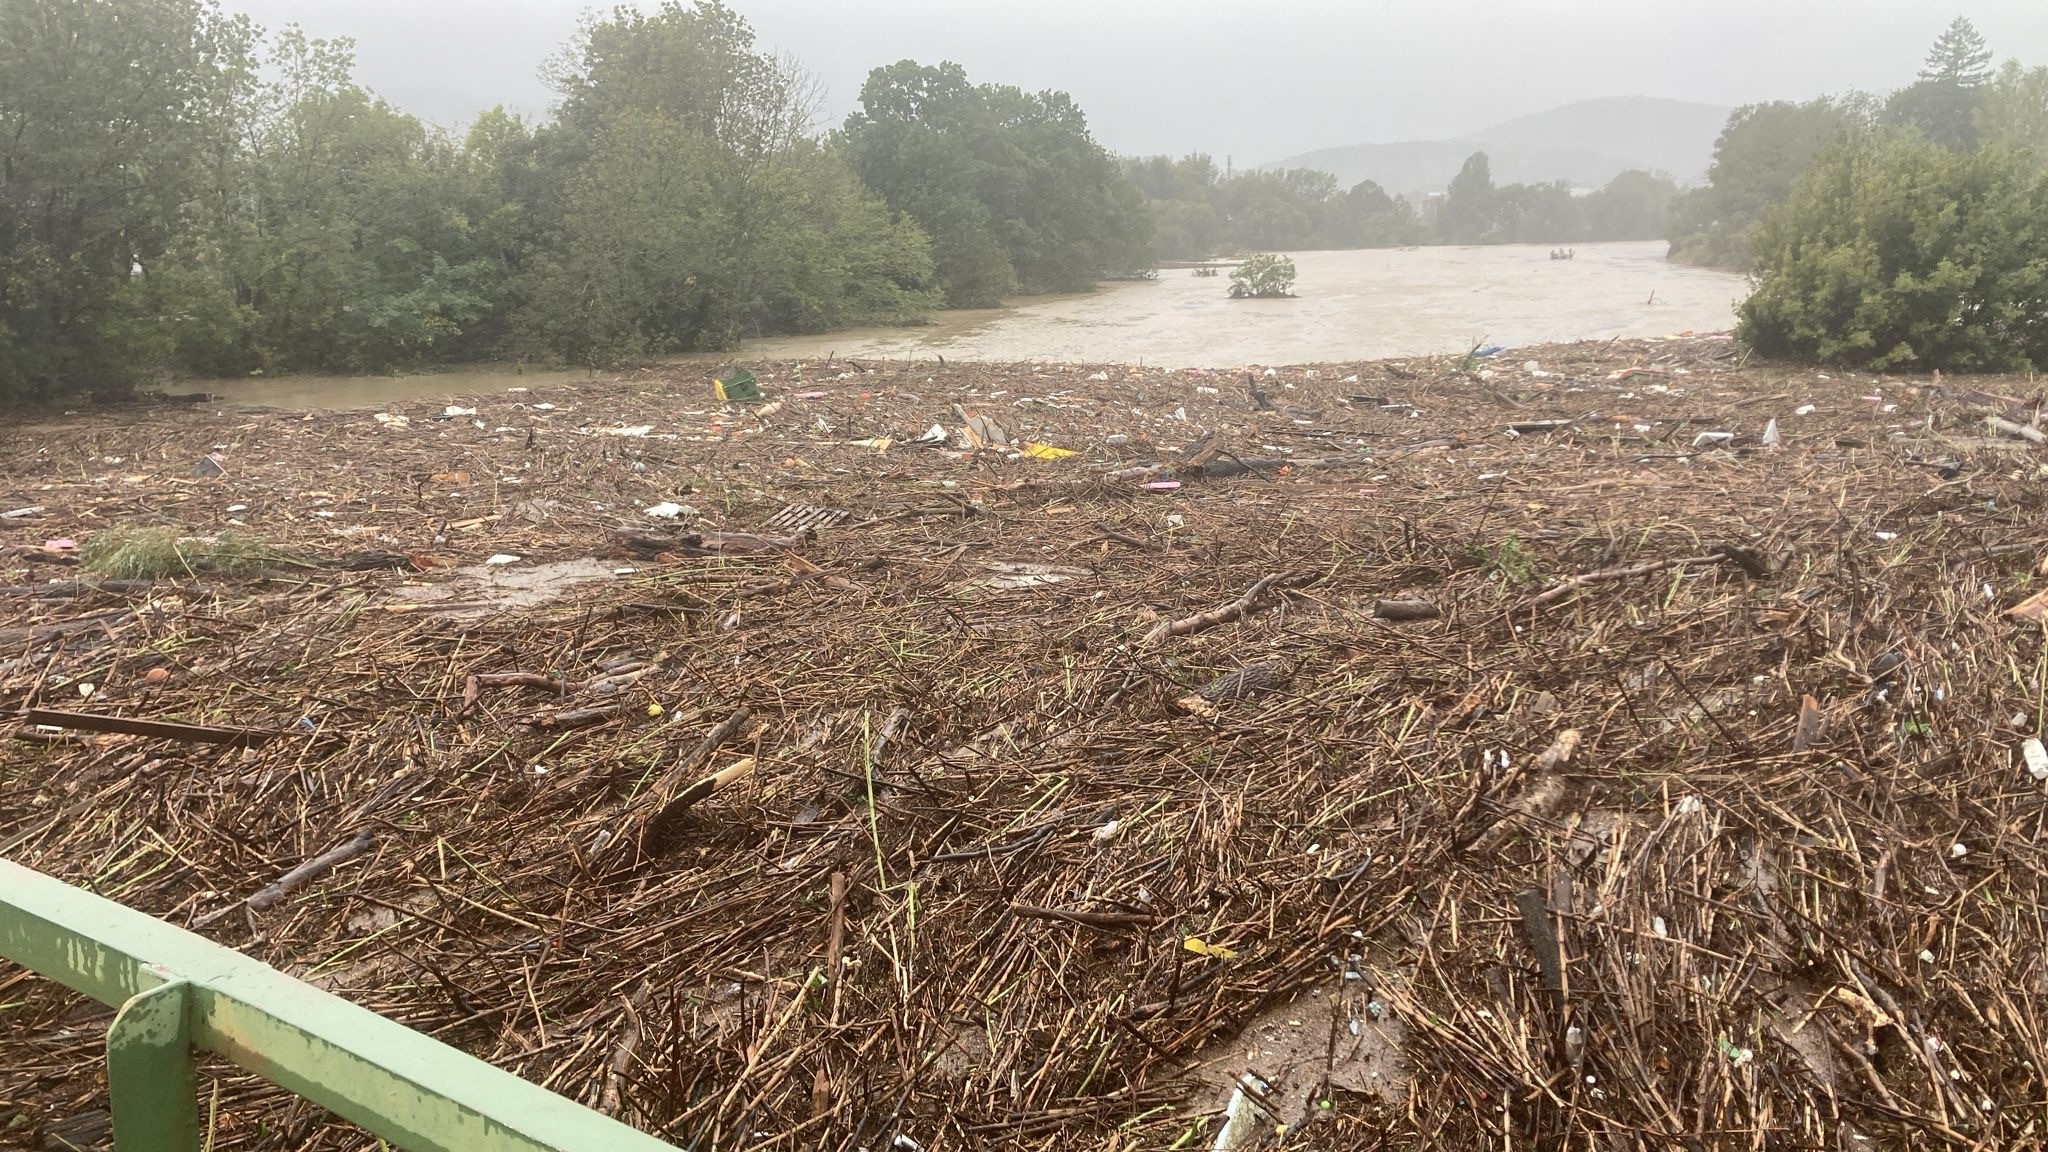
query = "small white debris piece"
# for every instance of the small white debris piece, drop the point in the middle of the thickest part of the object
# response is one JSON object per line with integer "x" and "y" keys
{"x": 1887, "y": 537}
{"x": 501, "y": 559}
{"x": 1116, "y": 440}
{"x": 1099, "y": 376}
{"x": 669, "y": 510}
{"x": 1803, "y": 410}
{"x": 1657, "y": 926}
{"x": 87, "y": 689}
{"x": 1351, "y": 379}
{"x": 391, "y": 421}
{"x": 544, "y": 406}
{"x": 1926, "y": 956}
{"x": 1958, "y": 850}
{"x": 2037, "y": 757}
{"x": 1706, "y": 438}
{"x": 1180, "y": 413}
{"x": 1770, "y": 436}
{"x": 1205, "y": 390}
{"x": 635, "y": 430}
{"x": 457, "y": 410}
{"x": 238, "y": 508}
{"x": 1107, "y": 832}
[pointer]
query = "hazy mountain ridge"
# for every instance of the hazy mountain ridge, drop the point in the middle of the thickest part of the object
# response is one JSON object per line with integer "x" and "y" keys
{"x": 1588, "y": 142}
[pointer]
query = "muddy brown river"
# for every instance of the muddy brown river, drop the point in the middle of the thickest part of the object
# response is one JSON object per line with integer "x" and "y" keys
{"x": 1347, "y": 306}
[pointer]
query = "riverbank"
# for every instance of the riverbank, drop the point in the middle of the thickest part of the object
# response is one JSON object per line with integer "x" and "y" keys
{"x": 1623, "y": 730}
{"x": 1350, "y": 305}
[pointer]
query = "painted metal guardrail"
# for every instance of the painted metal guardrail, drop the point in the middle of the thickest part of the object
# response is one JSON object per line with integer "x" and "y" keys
{"x": 177, "y": 992}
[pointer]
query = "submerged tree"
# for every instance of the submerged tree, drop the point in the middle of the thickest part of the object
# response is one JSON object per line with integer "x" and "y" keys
{"x": 1262, "y": 275}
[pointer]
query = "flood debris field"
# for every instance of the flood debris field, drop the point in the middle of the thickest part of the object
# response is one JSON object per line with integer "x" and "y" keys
{"x": 1593, "y": 746}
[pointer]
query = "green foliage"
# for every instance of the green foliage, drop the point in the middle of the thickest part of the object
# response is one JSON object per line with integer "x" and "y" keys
{"x": 1013, "y": 191}
{"x": 1959, "y": 56}
{"x": 1262, "y": 275}
{"x": 109, "y": 113}
{"x": 1469, "y": 213}
{"x": 178, "y": 191}
{"x": 2013, "y": 112}
{"x": 1757, "y": 160}
{"x": 1897, "y": 252}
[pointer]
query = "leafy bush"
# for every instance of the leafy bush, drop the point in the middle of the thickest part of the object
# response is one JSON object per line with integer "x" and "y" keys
{"x": 1262, "y": 275}
{"x": 1895, "y": 252}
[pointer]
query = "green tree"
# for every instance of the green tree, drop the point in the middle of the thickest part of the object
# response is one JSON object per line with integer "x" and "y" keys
{"x": 2014, "y": 110}
{"x": 1633, "y": 206}
{"x": 1467, "y": 213}
{"x": 1759, "y": 157}
{"x": 1010, "y": 186}
{"x": 1896, "y": 252}
{"x": 1943, "y": 102}
{"x": 1959, "y": 56}
{"x": 691, "y": 203}
{"x": 110, "y": 113}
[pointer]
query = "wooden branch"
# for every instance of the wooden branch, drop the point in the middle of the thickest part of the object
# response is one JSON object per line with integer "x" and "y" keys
{"x": 1085, "y": 919}
{"x": 1237, "y": 609}
{"x": 1609, "y": 575}
{"x": 274, "y": 893}
{"x": 1405, "y": 610}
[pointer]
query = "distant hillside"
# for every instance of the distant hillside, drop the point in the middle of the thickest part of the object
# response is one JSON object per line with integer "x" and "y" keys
{"x": 1586, "y": 143}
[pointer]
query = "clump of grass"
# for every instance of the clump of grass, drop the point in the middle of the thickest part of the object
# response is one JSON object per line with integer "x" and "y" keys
{"x": 1508, "y": 560}
{"x": 162, "y": 553}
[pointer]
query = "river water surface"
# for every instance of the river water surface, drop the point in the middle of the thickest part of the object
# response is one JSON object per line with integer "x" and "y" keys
{"x": 1347, "y": 306}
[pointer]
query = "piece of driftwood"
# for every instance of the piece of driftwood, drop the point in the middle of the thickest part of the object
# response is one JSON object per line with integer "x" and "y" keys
{"x": 1237, "y": 609}
{"x": 1405, "y": 610}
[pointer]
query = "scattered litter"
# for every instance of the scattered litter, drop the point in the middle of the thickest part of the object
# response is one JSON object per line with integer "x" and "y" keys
{"x": 211, "y": 464}
{"x": 2037, "y": 758}
{"x": 502, "y": 558}
{"x": 1038, "y": 451}
{"x": 633, "y": 430}
{"x": 669, "y": 510}
{"x": 453, "y": 410}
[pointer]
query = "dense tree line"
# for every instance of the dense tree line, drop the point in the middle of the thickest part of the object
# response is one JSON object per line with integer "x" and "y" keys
{"x": 1918, "y": 236}
{"x": 1957, "y": 102}
{"x": 178, "y": 190}
{"x": 1197, "y": 211}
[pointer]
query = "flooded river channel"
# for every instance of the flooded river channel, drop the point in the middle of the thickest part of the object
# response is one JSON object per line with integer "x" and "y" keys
{"x": 1347, "y": 306}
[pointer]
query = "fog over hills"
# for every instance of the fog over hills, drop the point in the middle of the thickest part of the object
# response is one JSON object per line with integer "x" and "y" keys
{"x": 1586, "y": 143}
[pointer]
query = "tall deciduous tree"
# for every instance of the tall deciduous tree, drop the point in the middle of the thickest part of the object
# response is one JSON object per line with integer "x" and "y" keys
{"x": 1758, "y": 158}
{"x": 1467, "y": 214}
{"x": 110, "y": 113}
{"x": 1011, "y": 187}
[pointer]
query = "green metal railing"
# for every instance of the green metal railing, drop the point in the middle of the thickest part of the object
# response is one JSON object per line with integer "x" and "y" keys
{"x": 177, "y": 992}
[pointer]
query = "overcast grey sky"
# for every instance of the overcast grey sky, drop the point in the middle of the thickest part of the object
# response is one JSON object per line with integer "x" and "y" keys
{"x": 1255, "y": 79}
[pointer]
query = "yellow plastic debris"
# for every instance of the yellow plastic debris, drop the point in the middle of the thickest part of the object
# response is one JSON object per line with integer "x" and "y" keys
{"x": 1047, "y": 452}
{"x": 1201, "y": 947}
